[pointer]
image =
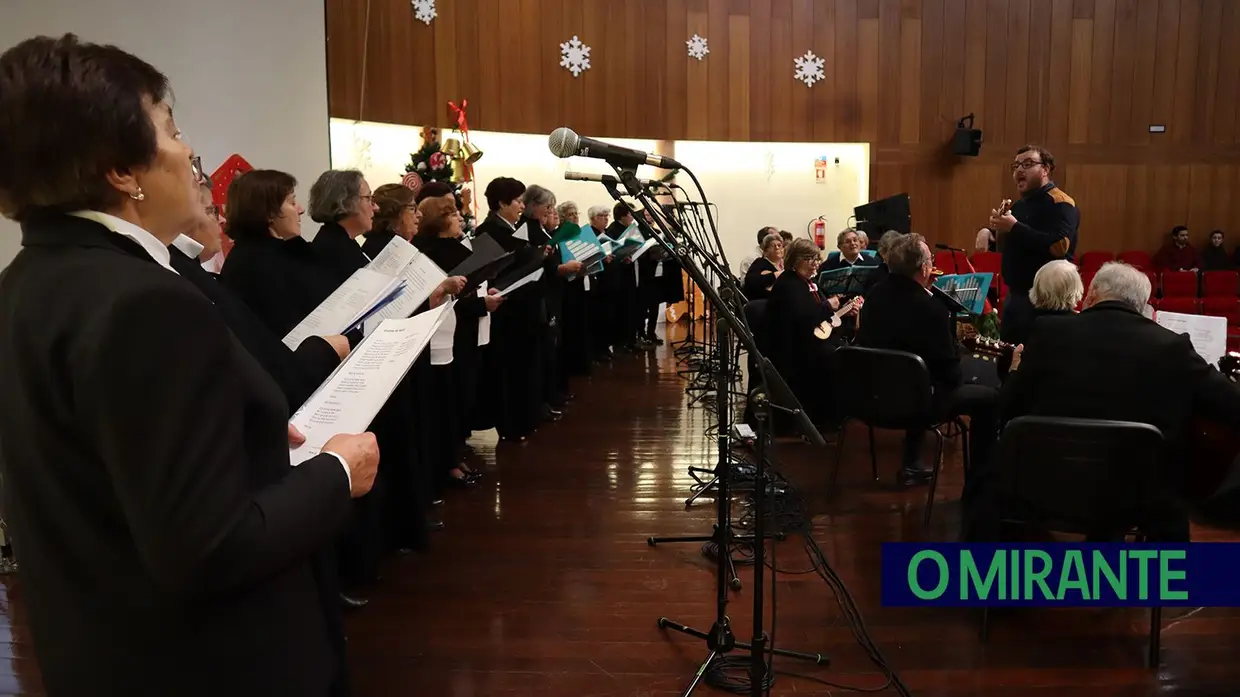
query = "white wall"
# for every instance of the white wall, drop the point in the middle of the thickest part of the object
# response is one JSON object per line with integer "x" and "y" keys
{"x": 249, "y": 75}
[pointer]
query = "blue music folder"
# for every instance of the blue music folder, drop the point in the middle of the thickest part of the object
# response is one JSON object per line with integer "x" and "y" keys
{"x": 968, "y": 289}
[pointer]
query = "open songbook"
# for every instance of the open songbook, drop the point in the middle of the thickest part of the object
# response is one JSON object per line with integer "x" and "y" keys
{"x": 349, "y": 400}
{"x": 365, "y": 294}
{"x": 583, "y": 246}
{"x": 420, "y": 275}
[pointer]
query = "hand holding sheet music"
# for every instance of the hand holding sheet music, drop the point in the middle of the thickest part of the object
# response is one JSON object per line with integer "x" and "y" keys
{"x": 353, "y": 301}
{"x": 353, "y": 395}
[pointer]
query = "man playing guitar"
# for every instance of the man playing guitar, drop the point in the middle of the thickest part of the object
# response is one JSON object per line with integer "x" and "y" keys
{"x": 1039, "y": 227}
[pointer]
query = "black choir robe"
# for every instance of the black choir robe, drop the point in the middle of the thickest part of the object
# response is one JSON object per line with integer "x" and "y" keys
{"x": 376, "y": 241}
{"x": 600, "y": 306}
{"x": 621, "y": 280}
{"x": 166, "y": 544}
{"x": 793, "y": 312}
{"x": 339, "y": 252}
{"x": 511, "y": 391}
{"x": 299, "y": 373}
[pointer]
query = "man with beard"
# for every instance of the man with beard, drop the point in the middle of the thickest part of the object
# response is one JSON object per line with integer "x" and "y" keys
{"x": 1040, "y": 227}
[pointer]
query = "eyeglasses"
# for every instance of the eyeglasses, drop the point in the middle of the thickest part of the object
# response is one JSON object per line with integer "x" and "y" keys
{"x": 1026, "y": 164}
{"x": 195, "y": 165}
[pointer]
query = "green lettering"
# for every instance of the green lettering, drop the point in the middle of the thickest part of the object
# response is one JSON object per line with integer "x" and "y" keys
{"x": 1143, "y": 557}
{"x": 1102, "y": 567}
{"x": 944, "y": 576}
{"x": 1166, "y": 574}
{"x": 1014, "y": 577}
{"x": 970, "y": 578}
{"x": 1038, "y": 576}
{"x": 1074, "y": 565}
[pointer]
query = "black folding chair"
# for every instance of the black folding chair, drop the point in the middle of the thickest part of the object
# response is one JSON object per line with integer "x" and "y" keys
{"x": 1083, "y": 476}
{"x": 890, "y": 390}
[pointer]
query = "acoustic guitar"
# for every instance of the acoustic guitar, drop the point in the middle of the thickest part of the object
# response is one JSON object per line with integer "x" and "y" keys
{"x": 823, "y": 331}
{"x": 988, "y": 349}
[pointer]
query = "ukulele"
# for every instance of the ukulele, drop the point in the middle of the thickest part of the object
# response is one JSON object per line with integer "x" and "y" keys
{"x": 988, "y": 349}
{"x": 823, "y": 331}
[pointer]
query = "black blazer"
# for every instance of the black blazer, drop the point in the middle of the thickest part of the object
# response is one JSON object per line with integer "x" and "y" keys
{"x": 339, "y": 252}
{"x": 792, "y": 314}
{"x": 759, "y": 279}
{"x": 448, "y": 253}
{"x": 165, "y": 541}
{"x": 299, "y": 373}
{"x": 376, "y": 240}
{"x": 1110, "y": 362}
{"x": 901, "y": 316}
{"x": 282, "y": 281}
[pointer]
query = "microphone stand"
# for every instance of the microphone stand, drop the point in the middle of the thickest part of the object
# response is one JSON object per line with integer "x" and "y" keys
{"x": 720, "y": 639}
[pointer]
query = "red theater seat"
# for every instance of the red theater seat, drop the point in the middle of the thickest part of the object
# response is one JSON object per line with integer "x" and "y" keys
{"x": 1179, "y": 284}
{"x": 1222, "y": 307}
{"x": 1135, "y": 257}
{"x": 1182, "y": 305}
{"x": 1092, "y": 261}
{"x": 1219, "y": 284}
{"x": 988, "y": 262}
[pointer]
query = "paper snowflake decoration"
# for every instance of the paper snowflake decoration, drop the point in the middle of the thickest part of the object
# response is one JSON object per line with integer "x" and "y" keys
{"x": 810, "y": 69}
{"x": 575, "y": 56}
{"x": 361, "y": 152}
{"x": 424, "y": 10}
{"x": 697, "y": 47}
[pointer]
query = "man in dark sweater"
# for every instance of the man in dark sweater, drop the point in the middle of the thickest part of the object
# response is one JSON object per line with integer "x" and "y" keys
{"x": 1041, "y": 227}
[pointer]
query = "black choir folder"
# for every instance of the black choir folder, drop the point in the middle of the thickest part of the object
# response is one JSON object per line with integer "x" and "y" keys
{"x": 351, "y": 397}
{"x": 487, "y": 260}
{"x": 527, "y": 262}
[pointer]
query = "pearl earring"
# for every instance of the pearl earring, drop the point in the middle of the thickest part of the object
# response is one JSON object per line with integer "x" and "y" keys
{"x": 138, "y": 196}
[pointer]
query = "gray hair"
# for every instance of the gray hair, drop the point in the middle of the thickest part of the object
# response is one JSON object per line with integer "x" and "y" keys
{"x": 865, "y": 239}
{"x": 839, "y": 239}
{"x": 1117, "y": 281}
{"x": 565, "y": 208}
{"x": 1057, "y": 286}
{"x": 884, "y": 242}
{"x": 599, "y": 210}
{"x": 335, "y": 195}
{"x": 537, "y": 195}
{"x": 907, "y": 255}
{"x": 770, "y": 240}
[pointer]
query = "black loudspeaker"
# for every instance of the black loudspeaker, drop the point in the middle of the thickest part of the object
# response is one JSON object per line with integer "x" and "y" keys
{"x": 967, "y": 141}
{"x": 877, "y": 217}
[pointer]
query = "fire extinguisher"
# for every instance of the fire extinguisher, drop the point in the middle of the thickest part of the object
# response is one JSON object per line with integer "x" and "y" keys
{"x": 818, "y": 231}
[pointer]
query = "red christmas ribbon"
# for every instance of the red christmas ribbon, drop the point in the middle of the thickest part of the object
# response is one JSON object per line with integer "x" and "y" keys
{"x": 462, "y": 125}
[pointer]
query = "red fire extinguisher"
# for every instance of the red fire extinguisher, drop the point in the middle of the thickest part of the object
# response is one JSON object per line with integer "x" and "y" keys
{"x": 818, "y": 231}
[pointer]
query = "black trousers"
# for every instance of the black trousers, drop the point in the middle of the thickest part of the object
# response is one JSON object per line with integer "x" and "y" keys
{"x": 978, "y": 402}
{"x": 1017, "y": 315}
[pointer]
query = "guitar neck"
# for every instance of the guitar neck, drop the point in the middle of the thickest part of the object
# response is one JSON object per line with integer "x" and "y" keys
{"x": 846, "y": 308}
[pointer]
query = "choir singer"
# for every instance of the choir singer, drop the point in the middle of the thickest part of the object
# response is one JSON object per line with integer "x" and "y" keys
{"x": 165, "y": 543}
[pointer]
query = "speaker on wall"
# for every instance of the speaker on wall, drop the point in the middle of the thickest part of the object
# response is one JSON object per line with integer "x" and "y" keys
{"x": 967, "y": 140}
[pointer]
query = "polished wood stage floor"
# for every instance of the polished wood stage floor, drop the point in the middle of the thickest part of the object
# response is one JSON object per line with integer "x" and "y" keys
{"x": 542, "y": 582}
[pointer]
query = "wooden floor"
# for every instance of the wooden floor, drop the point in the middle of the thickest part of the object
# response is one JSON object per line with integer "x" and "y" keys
{"x": 542, "y": 582}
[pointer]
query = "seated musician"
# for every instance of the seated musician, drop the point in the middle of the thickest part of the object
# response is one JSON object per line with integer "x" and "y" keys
{"x": 900, "y": 314}
{"x": 850, "y": 245}
{"x": 881, "y": 271}
{"x": 793, "y": 334}
{"x": 760, "y": 277}
{"x": 1056, "y": 291}
{"x": 1111, "y": 362}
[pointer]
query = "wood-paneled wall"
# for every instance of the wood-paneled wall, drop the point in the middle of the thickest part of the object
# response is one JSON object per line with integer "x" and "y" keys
{"x": 1086, "y": 78}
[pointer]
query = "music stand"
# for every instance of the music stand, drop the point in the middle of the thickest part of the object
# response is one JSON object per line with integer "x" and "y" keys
{"x": 851, "y": 280}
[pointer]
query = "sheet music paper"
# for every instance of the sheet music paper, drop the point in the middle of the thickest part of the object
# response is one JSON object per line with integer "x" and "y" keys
{"x": 364, "y": 290}
{"x": 353, "y": 395}
{"x": 646, "y": 246}
{"x": 484, "y": 322}
{"x": 420, "y": 275}
{"x": 523, "y": 233}
{"x": 1208, "y": 334}
{"x": 537, "y": 275}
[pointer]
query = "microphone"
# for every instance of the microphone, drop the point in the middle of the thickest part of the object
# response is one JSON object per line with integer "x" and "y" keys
{"x": 608, "y": 179}
{"x": 947, "y": 248}
{"x": 563, "y": 143}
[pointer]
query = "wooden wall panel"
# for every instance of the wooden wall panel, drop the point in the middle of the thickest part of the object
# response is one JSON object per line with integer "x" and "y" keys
{"x": 1086, "y": 78}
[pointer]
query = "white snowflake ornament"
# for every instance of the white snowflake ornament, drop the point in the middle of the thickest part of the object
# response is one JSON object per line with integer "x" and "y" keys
{"x": 697, "y": 47}
{"x": 424, "y": 10}
{"x": 575, "y": 56}
{"x": 810, "y": 69}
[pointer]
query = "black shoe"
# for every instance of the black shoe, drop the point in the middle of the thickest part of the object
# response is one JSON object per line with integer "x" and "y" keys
{"x": 351, "y": 603}
{"x": 434, "y": 525}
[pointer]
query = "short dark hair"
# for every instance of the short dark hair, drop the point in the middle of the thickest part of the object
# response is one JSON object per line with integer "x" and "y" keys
{"x": 70, "y": 112}
{"x": 1043, "y": 154}
{"x": 786, "y": 235}
{"x": 435, "y": 190}
{"x": 764, "y": 231}
{"x": 906, "y": 255}
{"x": 620, "y": 210}
{"x": 254, "y": 198}
{"x": 503, "y": 190}
{"x": 1178, "y": 229}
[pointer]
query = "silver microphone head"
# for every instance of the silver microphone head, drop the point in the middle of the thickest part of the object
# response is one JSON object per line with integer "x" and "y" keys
{"x": 563, "y": 142}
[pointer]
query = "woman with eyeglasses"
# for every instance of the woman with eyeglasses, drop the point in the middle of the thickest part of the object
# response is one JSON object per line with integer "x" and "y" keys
{"x": 396, "y": 215}
{"x": 166, "y": 545}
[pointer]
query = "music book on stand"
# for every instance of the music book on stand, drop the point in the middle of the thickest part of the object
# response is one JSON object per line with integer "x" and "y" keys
{"x": 850, "y": 280}
{"x": 351, "y": 397}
